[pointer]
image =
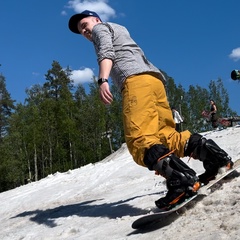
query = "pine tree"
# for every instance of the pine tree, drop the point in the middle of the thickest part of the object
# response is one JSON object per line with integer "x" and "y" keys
{"x": 6, "y": 107}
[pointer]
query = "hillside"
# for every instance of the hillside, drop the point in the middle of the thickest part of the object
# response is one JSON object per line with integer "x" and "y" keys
{"x": 100, "y": 201}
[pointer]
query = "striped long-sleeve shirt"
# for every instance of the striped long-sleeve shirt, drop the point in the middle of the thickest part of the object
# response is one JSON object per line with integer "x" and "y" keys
{"x": 113, "y": 41}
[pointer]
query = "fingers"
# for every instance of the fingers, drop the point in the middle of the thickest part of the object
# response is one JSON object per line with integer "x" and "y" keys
{"x": 105, "y": 94}
{"x": 106, "y": 97}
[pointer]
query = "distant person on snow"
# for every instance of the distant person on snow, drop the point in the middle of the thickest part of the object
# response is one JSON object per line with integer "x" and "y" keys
{"x": 177, "y": 118}
{"x": 213, "y": 114}
{"x": 149, "y": 127}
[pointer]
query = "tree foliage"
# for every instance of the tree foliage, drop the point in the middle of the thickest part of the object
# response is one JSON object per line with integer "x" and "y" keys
{"x": 61, "y": 127}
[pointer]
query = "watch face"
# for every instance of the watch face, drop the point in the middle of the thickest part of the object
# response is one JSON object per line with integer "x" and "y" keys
{"x": 102, "y": 80}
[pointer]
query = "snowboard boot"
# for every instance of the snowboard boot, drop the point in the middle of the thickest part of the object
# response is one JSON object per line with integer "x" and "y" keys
{"x": 213, "y": 157}
{"x": 182, "y": 181}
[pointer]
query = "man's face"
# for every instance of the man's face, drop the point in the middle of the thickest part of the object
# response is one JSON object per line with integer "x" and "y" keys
{"x": 86, "y": 25}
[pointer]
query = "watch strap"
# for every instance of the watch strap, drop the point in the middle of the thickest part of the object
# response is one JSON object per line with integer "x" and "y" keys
{"x": 101, "y": 81}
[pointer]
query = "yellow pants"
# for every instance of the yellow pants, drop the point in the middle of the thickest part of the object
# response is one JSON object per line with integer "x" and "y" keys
{"x": 147, "y": 117}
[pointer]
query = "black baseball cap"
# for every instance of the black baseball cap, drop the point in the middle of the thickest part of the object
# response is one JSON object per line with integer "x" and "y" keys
{"x": 73, "y": 21}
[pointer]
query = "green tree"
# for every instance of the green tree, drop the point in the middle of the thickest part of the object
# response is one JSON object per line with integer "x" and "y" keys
{"x": 195, "y": 99}
{"x": 220, "y": 95}
{"x": 58, "y": 92}
{"x": 60, "y": 127}
{"x": 114, "y": 119}
{"x": 9, "y": 167}
{"x": 6, "y": 107}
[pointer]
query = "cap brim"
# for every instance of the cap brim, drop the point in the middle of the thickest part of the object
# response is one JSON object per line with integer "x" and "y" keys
{"x": 73, "y": 22}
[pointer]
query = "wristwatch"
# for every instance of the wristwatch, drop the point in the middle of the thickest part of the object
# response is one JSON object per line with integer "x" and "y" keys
{"x": 101, "y": 81}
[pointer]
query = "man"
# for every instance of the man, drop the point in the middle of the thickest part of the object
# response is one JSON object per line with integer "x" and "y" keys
{"x": 149, "y": 127}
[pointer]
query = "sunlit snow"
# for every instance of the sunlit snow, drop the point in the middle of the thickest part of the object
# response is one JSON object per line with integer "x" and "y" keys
{"x": 100, "y": 201}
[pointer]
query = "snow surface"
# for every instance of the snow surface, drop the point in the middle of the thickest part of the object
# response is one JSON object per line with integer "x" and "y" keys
{"x": 100, "y": 201}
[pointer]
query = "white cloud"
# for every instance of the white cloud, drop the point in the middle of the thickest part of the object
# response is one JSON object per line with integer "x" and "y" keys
{"x": 235, "y": 55}
{"x": 82, "y": 76}
{"x": 63, "y": 13}
{"x": 35, "y": 74}
{"x": 101, "y": 7}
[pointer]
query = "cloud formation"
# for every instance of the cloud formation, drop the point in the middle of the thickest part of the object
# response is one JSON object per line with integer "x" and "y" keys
{"x": 100, "y": 6}
{"x": 235, "y": 55}
{"x": 82, "y": 76}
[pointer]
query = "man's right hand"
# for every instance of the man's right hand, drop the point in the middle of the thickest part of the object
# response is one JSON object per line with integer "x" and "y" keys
{"x": 105, "y": 94}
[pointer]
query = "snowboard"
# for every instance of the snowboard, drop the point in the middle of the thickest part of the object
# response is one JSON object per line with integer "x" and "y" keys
{"x": 203, "y": 191}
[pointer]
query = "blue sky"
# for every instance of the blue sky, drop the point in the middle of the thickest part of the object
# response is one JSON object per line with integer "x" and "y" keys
{"x": 193, "y": 41}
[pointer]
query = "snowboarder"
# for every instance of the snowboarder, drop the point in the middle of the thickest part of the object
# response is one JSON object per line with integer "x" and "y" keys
{"x": 149, "y": 127}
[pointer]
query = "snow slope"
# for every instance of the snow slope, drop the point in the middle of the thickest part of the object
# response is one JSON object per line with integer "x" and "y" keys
{"x": 100, "y": 201}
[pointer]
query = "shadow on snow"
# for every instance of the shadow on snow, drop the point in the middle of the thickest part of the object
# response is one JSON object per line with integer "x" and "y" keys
{"x": 85, "y": 209}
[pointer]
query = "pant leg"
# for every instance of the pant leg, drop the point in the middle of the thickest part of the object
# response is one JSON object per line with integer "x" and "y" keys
{"x": 147, "y": 117}
{"x": 177, "y": 127}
